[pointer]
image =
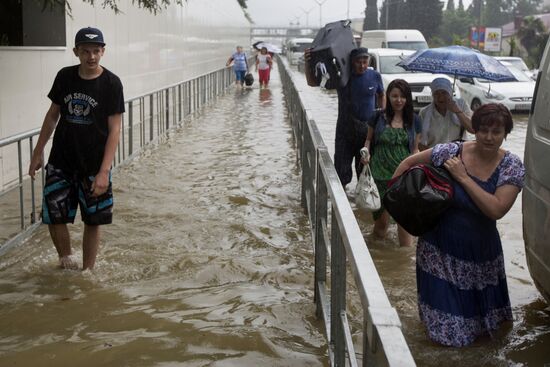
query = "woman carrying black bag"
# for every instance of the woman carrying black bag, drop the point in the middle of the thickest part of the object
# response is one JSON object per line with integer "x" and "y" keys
{"x": 462, "y": 291}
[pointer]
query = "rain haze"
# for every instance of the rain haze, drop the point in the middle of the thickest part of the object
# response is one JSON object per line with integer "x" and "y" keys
{"x": 305, "y": 13}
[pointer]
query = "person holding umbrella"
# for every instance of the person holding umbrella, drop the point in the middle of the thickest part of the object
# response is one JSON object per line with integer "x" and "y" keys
{"x": 446, "y": 118}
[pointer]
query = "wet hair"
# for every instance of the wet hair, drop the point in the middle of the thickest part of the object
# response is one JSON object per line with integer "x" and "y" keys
{"x": 492, "y": 114}
{"x": 408, "y": 109}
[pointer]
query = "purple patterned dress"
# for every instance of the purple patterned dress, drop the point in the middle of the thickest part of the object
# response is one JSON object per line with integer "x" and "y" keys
{"x": 462, "y": 290}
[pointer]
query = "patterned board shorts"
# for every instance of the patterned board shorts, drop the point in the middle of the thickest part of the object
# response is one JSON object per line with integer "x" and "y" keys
{"x": 63, "y": 193}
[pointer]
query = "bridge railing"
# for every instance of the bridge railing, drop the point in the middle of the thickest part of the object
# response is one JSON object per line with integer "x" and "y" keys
{"x": 148, "y": 118}
{"x": 338, "y": 242}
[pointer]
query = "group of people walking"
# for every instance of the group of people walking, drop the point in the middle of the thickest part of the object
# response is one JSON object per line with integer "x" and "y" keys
{"x": 239, "y": 60}
{"x": 462, "y": 290}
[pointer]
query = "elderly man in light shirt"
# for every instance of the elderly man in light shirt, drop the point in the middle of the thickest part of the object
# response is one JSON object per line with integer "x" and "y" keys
{"x": 446, "y": 118}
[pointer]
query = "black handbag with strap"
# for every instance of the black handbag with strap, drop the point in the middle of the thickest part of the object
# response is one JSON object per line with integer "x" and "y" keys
{"x": 417, "y": 199}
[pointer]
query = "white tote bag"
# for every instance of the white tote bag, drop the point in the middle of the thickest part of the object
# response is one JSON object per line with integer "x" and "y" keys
{"x": 366, "y": 193}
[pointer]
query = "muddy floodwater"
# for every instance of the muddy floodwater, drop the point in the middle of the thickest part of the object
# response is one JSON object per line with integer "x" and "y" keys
{"x": 209, "y": 260}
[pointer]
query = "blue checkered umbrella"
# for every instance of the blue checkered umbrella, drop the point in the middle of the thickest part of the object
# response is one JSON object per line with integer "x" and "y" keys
{"x": 457, "y": 61}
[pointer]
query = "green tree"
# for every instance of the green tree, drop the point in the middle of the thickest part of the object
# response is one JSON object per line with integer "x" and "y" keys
{"x": 396, "y": 14}
{"x": 371, "y": 15}
{"x": 154, "y": 6}
{"x": 495, "y": 13}
{"x": 450, "y": 5}
{"x": 426, "y": 16}
{"x": 533, "y": 36}
{"x": 525, "y": 7}
{"x": 455, "y": 26}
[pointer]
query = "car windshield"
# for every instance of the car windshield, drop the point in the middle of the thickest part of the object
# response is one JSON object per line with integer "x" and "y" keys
{"x": 388, "y": 65}
{"x": 518, "y": 74}
{"x": 419, "y": 45}
{"x": 518, "y": 63}
{"x": 301, "y": 47}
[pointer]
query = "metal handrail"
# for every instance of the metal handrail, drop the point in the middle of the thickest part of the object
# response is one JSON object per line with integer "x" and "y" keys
{"x": 148, "y": 118}
{"x": 338, "y": 241}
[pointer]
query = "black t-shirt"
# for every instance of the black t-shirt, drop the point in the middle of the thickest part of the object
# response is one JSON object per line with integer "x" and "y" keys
{"x": 82, "y": 131}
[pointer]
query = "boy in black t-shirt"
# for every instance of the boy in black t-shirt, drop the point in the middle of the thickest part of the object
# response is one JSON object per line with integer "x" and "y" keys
{"x": 86, "y": 114}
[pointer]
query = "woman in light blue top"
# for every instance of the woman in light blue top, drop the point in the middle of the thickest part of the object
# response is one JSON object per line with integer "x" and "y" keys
{"x": 240, "y": 65}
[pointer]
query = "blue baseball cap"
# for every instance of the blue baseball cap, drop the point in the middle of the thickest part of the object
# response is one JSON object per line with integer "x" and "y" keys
{"x": 89, "y": 35}
{"x": 359, "y": 52}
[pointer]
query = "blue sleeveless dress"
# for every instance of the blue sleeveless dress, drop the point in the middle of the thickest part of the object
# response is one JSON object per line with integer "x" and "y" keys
{"x": 462, "y": 290}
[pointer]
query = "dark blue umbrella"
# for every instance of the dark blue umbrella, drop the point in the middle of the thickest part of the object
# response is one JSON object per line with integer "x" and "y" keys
{"x": 457, "y": 61}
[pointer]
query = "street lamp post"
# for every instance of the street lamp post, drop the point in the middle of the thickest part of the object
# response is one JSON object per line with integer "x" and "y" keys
{"x": 320, "y": 3}
{"x": 306, "y": 12}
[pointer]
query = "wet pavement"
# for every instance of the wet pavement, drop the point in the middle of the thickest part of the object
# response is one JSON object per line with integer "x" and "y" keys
{"x": 209, "y": 260}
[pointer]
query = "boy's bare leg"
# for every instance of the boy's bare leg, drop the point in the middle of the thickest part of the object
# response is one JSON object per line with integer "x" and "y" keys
{"x": 90, "y": 246}
{"x": 62, "y": 242}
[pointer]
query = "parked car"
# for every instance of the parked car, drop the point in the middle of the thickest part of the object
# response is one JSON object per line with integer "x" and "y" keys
{"x": 295, "y": 48}
{"x": 516, "y": 95}
{"x": 384, "y": 60}
{"x": 519, "y": 64}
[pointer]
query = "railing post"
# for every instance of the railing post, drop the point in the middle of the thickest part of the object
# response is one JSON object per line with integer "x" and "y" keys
{"x": 130, "y": 127}
{"x": 319, "y": 244}
{"x": 337, "y": 293}
{"x": 20, "y": 166}
{"x": 33, "y": 195}
{"x": 167, "y": 108}
{"x": 151, "y": 117}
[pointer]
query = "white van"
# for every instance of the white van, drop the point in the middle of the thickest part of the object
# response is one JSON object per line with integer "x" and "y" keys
{"x": 295, "y": 48}
{"x": 536, "y": 193}
{"x": 404, "y": 39}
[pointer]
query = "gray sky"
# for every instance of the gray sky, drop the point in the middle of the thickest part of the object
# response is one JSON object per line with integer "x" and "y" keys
{"x": 281, "y": 12}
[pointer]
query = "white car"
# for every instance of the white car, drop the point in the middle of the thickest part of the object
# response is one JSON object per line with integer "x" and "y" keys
{"x": 517, "y": 95}
{"x": 384, "y": 60}
{"x": 518, "y": 63}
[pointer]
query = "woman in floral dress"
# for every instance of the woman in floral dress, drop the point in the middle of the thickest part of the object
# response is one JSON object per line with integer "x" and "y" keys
{"x": 393, "y": 135}
{"x": 462, "y": 290}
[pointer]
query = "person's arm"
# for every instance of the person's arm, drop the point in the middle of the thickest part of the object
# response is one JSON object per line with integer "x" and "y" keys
{"x": 463, "y": 117}
{"x": 229, "y": 61}
{"x": 496, "y": 205}
{"x": 257, "y": 62}
{"x": 381, "y": 103}
{"x": 368, "y": 141}
{"x": 48, "y": 127}
{"x": 421, "y": 157}
{"x": 310, "y": 76}
{"x": 416, "y": 143}
{"x": 101, "y": 181}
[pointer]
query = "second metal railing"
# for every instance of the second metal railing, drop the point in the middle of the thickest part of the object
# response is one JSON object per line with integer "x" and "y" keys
{"x": 339, "y": 244}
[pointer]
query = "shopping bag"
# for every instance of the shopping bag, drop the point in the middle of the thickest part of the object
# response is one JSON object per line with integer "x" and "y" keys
{"x": 248, "y": 79}
{"x": 417, "y": 199}
{"x": 366, "y": 192}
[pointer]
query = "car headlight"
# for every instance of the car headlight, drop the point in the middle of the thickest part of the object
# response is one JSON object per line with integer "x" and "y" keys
{"x": 493, "y": 95}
